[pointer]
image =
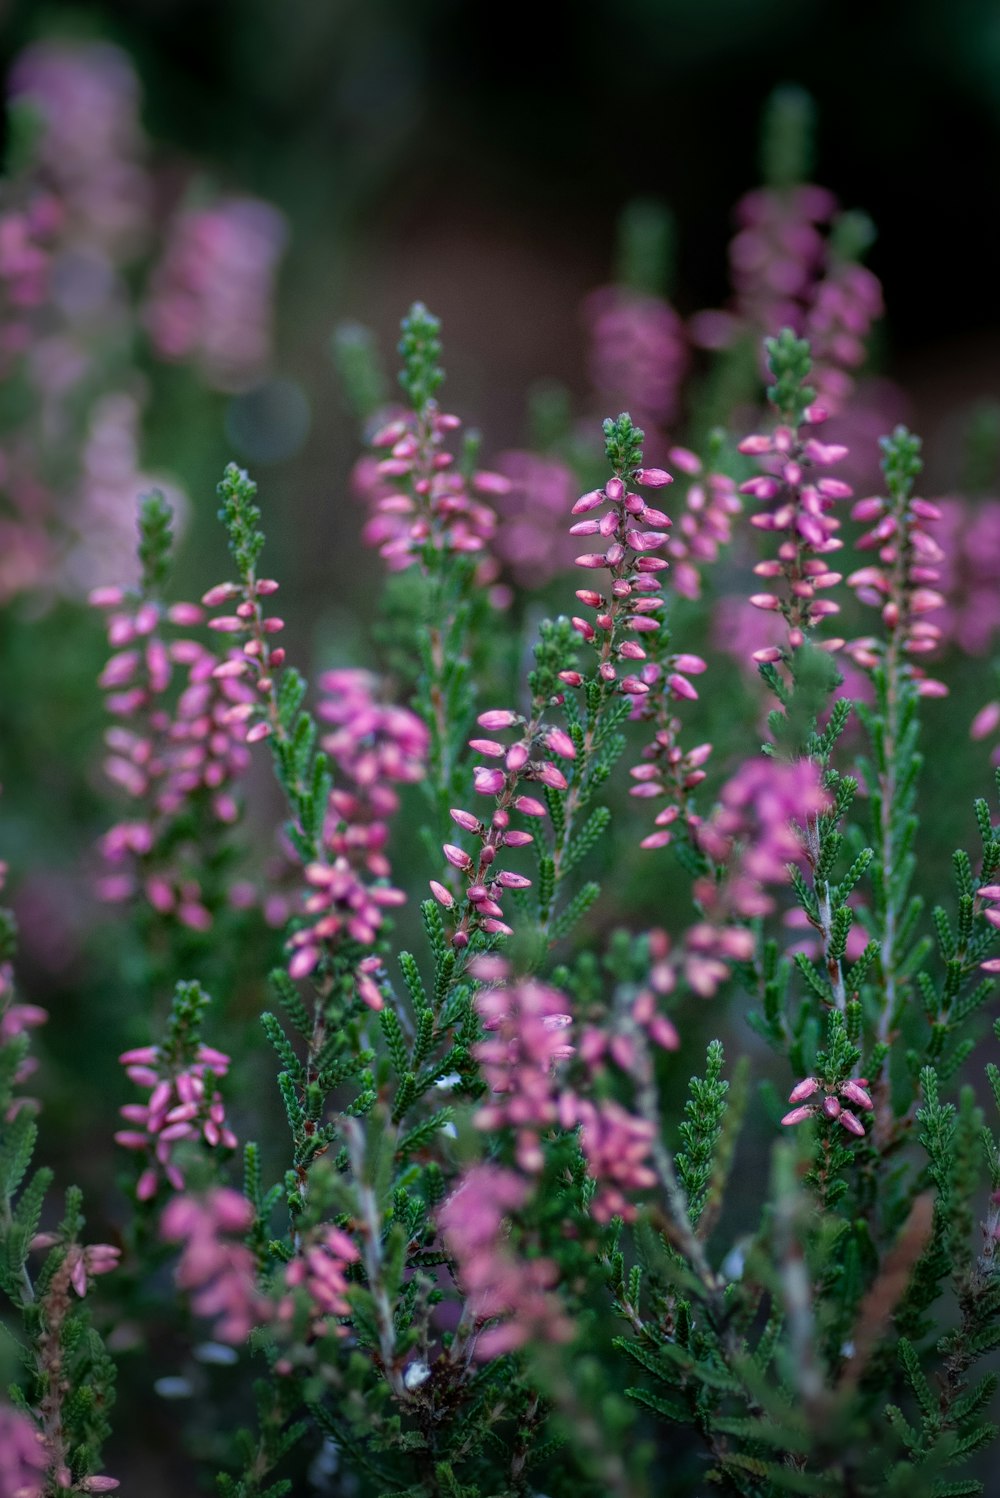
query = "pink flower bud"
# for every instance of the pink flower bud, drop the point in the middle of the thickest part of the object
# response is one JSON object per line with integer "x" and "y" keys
{"x": 488, "y": 782}
{"x": 798, "y": 1115}
{"x": 498, "y": 718}
{"x": 855, "y": 1093}
{"x": 457, "y": 856}
{"x": 655, "y": 478}
{"x": 529, "y": 807}
{"x": 466, "y": 820}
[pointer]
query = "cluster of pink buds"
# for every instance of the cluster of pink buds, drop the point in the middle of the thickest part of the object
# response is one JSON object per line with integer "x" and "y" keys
{"x": 339, "y": 904}
{"x": 756, "y": 819}
{"x": 667, "y": 769}
{"x": 639, "y": 353}
{"x": 23, "y": 1459}
{"x": 526, "y": 1024}
{"x": 902, "y": 586}
{"x": 634, "y": 594}
{"x": 531, "y": 540}
{"x": 218, "y": 1272}
{"x": 210, "y": 298}
{"x": 786, "y": 272}
{"x": 991, "y": 911}
{"x": 705, "y": 525}
{"x": 830, "y": 1105}
{"x": 25, "y": 258}
{"x": 83, "y": 1262}
{"x": 777, "y": 257}
{"x": 524, "y": 760}
{"x": 319, "y": 1270}
{"x": 166, "y": 750}
{"x": 419, "y": 496}
{"x": 846, "y": 303}
{"x": 617, "y": 1146}
{"x": 254, "y": 663}
{"x": 91, "y": 144}
{"x": 499, "y": 1286}
{"x": 376, "y": 746}
{"x": 183, "y": 1105}
{"x": 969, "y": 535}
{"x": 622, "y": 1037}
{"x": 799, "y": 499}
{"x": 752, "y": 839}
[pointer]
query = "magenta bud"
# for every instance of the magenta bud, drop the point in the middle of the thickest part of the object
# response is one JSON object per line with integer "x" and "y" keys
{"x": 855, "y": 1093}
{"x": 588, "y": 502}
{"x": 803, "y": 1089}
{"x": 560, "y": 743}
{"x": 851, "y": 1124}
{"x": 466, "y": 820}
{"x": 498, "y": 718}
{"x": 798, "y": 1115}
{"x": 653, "y": 478}
{"x": 457, "y": 856}
{"x": 529, "y": 807}
{"x": 488, "y": 782}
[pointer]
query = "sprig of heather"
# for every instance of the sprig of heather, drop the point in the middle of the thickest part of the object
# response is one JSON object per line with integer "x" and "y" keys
{"x": 70, "y": 1377}
{"x": 900, "y": 588}
{"x": 178, "y": 747}
{"x": 799, "y": 513}
{"x": 431, "y": 514}
{"x": 711, "y": 501}
{"x": 342, "y": 910}
{"x": 798, "y": 498}
{"x": 184, "y": 1107}
{"x": 589, "y": 746}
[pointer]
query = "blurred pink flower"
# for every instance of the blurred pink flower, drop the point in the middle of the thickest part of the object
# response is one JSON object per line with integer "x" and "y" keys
{"x": 211, "y": 296}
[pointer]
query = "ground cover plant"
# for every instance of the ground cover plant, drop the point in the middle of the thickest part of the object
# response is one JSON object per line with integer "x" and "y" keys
{"x": 557, "y": 1056}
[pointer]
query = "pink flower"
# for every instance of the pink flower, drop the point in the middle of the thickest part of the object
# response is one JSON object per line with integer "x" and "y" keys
{"x": 638, "y": 355}
{"x": 23, "y": 1460}
{"x": 829, "y": 1106}
{"x": 211, "y": 295}
{"x": 184, "y": 1106}
{"x": 218, "y": 1272}
{"x": 319, "y": 1270}
{"x": 527, "y": 1025}
{"x": 508, "y": 1296}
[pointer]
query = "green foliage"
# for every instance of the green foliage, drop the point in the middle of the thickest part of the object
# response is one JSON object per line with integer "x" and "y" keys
{"x": 241, "y": 518}
{"x": 420, "y": 348}
{"x": 789, "y": 362}
{"x": 646, "y": 247}
{"x": 701, "y": 1132}
{"x": 155, "y": 542}
{"x": 787, "y": 138}
{"x": 623, "y": 445}
{"x": 355, "y": 354}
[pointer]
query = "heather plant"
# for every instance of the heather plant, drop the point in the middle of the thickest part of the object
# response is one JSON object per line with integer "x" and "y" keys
{"x": 601, "y": 1106}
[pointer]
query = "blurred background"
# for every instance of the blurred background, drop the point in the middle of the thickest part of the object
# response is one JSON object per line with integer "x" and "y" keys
{"x": 215, "y": 185}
